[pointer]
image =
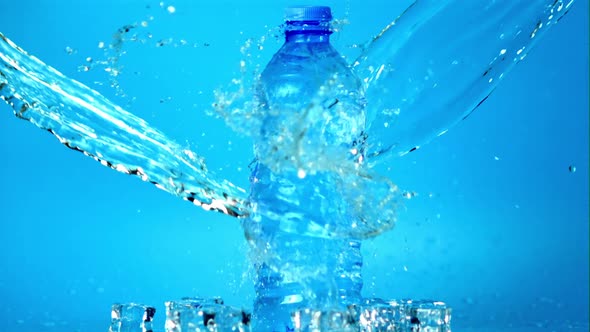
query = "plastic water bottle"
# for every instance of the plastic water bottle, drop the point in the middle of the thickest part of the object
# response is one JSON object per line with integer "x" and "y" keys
{"x": 313, "y": 118}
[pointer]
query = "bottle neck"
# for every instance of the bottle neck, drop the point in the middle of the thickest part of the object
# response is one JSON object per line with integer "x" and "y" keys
{"x": 306, "y": 37}
{"x": 307, "y": 32}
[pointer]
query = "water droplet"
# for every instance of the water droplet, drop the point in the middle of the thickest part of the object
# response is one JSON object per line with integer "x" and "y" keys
{"x": 301, "y": 173}
{"x": 171, "y": 9}
{"x": 70, "y": 50}
{"x": 572, "y": 168}
{"x": 409, "y": 194}
{"x": 100, "y": 44}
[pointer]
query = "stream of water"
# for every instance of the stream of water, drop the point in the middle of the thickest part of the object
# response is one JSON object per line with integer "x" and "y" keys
{"x": 85, "y": 121}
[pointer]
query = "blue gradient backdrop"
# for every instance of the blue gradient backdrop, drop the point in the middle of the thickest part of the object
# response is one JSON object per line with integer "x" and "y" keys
{"x": 499, "y": 228}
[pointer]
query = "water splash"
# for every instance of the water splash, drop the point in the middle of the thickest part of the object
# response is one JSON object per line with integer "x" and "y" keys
{"x": 441, "y": 85}
{"x": 304, "y": 145}
{"x": 436, "y": 63}
{"x": 117, "y": 139}
{"x": 419, "y": 83}
{"x": 87, "y": 122}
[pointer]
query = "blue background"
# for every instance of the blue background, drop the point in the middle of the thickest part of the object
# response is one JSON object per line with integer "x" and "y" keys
{"x": 504, "y": 240}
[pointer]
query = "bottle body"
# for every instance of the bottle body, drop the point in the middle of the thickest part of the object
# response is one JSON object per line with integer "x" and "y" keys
{"x": 313, "y": 108}
{"x": 298, "y": 266}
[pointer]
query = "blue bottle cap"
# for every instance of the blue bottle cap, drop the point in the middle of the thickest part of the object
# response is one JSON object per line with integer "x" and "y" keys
{"x": 308, "y": 13}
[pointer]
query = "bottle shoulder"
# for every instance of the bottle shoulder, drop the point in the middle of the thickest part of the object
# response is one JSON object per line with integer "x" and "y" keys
{"x": 309, "y": 64}
{"x": 307, "y": 56}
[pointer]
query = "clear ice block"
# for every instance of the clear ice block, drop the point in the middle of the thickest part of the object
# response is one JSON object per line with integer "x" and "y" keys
{"x": 311, "y": 320}
{"x": 427, "y": 316}
{"x": 191, "y": 314}
{"x": 131, "y": 317}
{"x": 377, "y": 315}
